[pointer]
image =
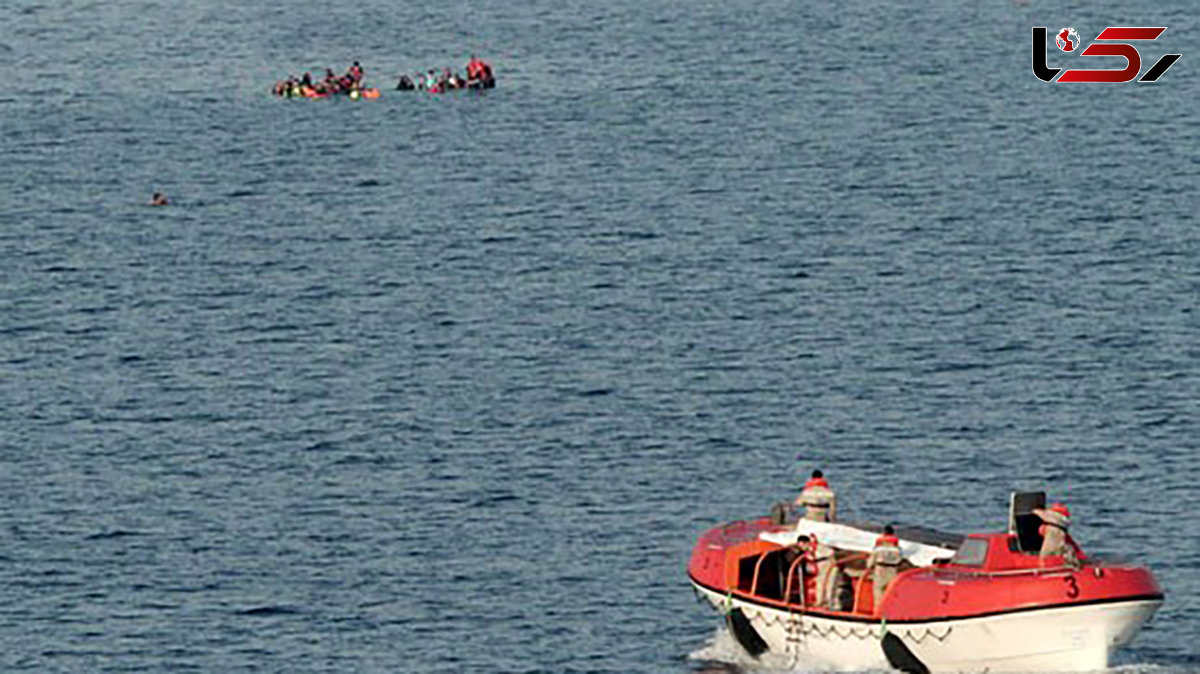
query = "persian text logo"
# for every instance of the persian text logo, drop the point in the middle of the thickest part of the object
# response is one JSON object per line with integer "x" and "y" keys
{"x": 1067, "y": 40}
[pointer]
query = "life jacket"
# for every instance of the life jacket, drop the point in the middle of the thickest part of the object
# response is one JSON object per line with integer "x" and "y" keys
{"x": 887, "y": 551}
{"x": 816, "y": 494}
{"x": 478, "y": 69}
{"x": 1056, "y": 516}
{"x": 818, "y": 551}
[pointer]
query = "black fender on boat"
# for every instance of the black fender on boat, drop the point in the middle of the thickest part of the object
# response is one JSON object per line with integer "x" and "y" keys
{"x": 745, "y": 633}
{"x": 900, "y": 657}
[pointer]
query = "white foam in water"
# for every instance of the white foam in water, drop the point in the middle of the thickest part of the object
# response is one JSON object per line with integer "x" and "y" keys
{"x": 722, "y": 647}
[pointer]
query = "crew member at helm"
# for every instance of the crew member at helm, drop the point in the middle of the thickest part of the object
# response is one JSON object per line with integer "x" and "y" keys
{"x": 884, "y": 562}
{"x": 1056, "y": 520}
{"x": 817, "y": 499}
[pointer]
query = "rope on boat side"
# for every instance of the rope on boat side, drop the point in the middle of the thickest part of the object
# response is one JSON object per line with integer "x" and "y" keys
{"x": 803, "y": 629}
{"x": 929, "y": 633}
{"x": 869, "y": 632}
{"x": 861, "y": 634}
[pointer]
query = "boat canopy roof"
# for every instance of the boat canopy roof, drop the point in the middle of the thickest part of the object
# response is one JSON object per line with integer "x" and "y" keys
{"x": 918, "y": 545}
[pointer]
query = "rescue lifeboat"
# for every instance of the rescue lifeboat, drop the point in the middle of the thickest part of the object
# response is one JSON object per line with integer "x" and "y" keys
{"x": 983, "y": 602}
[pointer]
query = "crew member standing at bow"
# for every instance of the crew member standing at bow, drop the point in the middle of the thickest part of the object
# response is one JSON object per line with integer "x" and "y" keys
{"x": 1056, "y": 520}
{"x": 884, "y": 562}
{"x": 817, "y": 499}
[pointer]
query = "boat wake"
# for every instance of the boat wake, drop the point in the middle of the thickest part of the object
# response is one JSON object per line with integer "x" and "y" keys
{"x": 723, "y": 653}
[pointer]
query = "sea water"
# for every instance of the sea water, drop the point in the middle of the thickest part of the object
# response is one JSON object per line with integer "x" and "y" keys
{"x": 453, "y": 383}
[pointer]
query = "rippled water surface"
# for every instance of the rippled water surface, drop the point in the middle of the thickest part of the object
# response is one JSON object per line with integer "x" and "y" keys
{"x": 443, "y": 384}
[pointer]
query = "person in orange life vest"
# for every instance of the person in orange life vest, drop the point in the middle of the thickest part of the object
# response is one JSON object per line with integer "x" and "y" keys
{"x": 819, "y": 564}
{"x": 1055, "y": 521}
{"x": 828, "y": 575}
{"x": 884, "y": 562}
{"x": 478, "y": 72}
{"x": 817, "y": 499}
{"x": 473, "y": 68}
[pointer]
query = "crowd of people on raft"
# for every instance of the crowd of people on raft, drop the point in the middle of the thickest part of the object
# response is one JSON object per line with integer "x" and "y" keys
{"x": 304, "y": 86}
{"x": 818, "y": 502}
{"x": 479, "y": 75}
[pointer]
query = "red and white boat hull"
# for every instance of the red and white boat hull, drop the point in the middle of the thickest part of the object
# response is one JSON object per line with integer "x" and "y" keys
{"x": 1076, "y": 637}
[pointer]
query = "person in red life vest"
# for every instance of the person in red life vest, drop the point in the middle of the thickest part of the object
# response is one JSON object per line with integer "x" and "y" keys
{"x": 355, "y": 73}
{"x": 818, "y": 564}
{"x": 1055, "y": 541}
{"x": 479, "y": 73}
{"x": 159, "y": 199}
{"x": 817, "y": 499}
{"x": 884, "y": 562}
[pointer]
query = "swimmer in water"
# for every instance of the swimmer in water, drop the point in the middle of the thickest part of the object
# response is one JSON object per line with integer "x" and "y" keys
{"x": 159, "y": 199}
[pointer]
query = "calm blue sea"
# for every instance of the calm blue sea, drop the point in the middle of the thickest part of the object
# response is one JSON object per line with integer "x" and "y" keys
{"x": 452, "y": 383}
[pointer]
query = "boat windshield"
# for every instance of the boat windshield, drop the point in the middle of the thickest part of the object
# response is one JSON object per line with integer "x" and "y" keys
{"x": 972, "y": 552}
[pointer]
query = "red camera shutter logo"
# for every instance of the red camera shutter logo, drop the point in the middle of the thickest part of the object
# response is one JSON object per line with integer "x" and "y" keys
{"x": 1118, "y": 36}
